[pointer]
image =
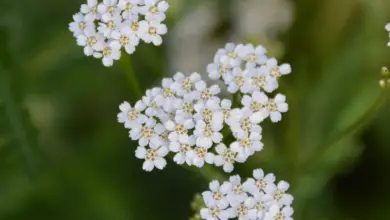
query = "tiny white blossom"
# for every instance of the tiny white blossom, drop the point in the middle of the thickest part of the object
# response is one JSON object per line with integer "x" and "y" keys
{"x": 179, "y": 130}
{"x": 200, "y": 156}
{"x": 147, "y": 133}
{"x": 203, "y": 93}
{"x": 152, "y": 31}
{"x": 111, "y": 51}
{"x": 155, "y": 10}
{"x": 226, "y": 108}
{"x": 108, "y": 9}
{"x": 208, "y": 133}
{"x": 220, "y": 69}
{"x": 277, "y": 213}
{"x": 154, "y": 157}
{"x": 225, "y": 158}
{"x": 278, "y": 192}
{"x": 90, "y": 10}
{"x": 217, "y": 194}
{"x": 182, "y": 151}
{"x": 247, "y": 146}
{"x": 126, "y": 40}
{"x": 183, "y": 85}
{"x": 129, "y": 8}
{"x": 238, "y": 82}
{"x": 237, "y": 194}
{"x": 80, "y": 25}
{"x": 132, "y": 116}
{"x": 242, "y": 124}
{"x": 91, "y": 41}
{"x": 260, "y": 181}
{"x": 245, "y": 210}
{"x": 272, "y": 108}
{"x": 230, "y": 55}
{"x": 277, "y": 71}
{"x": 215, "y": 213}
{"x": 259, "y": 79}
{"x": 253, "y": 56}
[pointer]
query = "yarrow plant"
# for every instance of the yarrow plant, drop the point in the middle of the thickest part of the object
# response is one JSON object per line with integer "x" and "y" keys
{"x": 103, "y": 29}
{"x": 256, "y": 198}
{"x": 187, "y": 118}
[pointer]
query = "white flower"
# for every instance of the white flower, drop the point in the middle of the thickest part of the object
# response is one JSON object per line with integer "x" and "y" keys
{"x": 272, "y": 108}
{"x": 154, "y": 11}
{"x": 225, "y": 158}
{"x": 111, "y": 51}
{"x": 278, "y": 193}
{"x": 179, "y": 130}
{"x": 203, "y": 93}
{"x": 277, "y": 71}
{"x": 81, "y": 24}
{"x": 260, "y": 79}
{"x": 154, "y": 157}
{"x": 238, "y": 81}
{"x": 108, "y": 9}
{"x": 276, "y": 213}
{"x": 253, "y": 56}
{"x": 220, "y": 69}
{"x": 132, "y": 116}
{"x": 148, "y": 133}
{"x": 208, "y": 133}
{"x": 262, "y": 204}
{"x": 110, "y": 25}
{"x": 255, "y": 102}
{"x": 245, "y": 211}
{"x": 387, "y": 27}
{"x": 242, "y": 124}
{"x": 182, "y": 151}
{"x": 200, "y": 155}
{"x": 91, "y": 41}
{"x": 236, "y": 195}
{"x": 167, "y": 97}
{"x": 214, "y": 213}
{"x": 229, "y": 54}
{"x": 90, "y": 10}
{"x": 129, "y": 8}
{"x": 183, "y": 85}
{"x": 260, "y": 181}
{"x": 126, "y": 40}
{"x": 217, "y": 194}
{"x": 247, "y": 146}
{"x": 151, "y": 32}
{"x": 153, "y": 108}
{"x": 205, "y": 111}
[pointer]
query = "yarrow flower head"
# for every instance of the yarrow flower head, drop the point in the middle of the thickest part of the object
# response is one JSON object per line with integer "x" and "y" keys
{"x": 259, "y": 198}
{"x": 103, "y": 29}
{"x": 188, "y": 118}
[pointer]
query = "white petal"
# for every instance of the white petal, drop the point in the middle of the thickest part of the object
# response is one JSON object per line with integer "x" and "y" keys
{"x": 140, "y": 153}
{"x": 148, "y": 165}
{"x": 160, "y": 163}
{"x": 258, "y": 173}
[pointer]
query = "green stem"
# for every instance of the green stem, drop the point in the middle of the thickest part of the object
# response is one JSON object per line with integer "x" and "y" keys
{"x": 236, "y": 100}
{"x": 131, "y": 77}
{"x": 14, "y": 114}
{"x": 354, "y": 127}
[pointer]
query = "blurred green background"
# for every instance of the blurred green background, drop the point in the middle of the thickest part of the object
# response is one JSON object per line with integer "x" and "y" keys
{"x": 64, "y": 156}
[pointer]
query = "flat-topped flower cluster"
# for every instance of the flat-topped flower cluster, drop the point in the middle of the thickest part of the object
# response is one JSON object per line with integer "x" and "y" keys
{"x": 187, "y": 118}
{"x": 256, "y": 198}
{"x": 103, "y": 29}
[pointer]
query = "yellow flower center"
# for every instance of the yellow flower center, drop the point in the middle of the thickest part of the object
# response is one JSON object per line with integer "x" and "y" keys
{"x": 147, "y": 132}
{"x": 107, "y": 51}
{"x": 133, "y": 114}
{"x": 91, "y": 40}
{"x": 151, "y": 154}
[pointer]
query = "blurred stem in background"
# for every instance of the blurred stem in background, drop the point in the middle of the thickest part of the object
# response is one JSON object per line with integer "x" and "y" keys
{"x": 127, "y": 66}
{"x": 350, "y": 130}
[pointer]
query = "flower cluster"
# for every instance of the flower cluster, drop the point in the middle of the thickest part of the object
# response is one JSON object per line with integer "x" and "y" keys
{"x": 257, "y": 198}
{"x": 188, "y": 118}
{"x": 247, "y": 69}
{"x": 103, "y": 29}
{"x": 387, "y": 27}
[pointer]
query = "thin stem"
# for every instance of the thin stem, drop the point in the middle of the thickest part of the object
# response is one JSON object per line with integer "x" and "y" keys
{"x": 354, "y": 127}
{"x": 15, "y": 118}
{"x": 131, "y": 77}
